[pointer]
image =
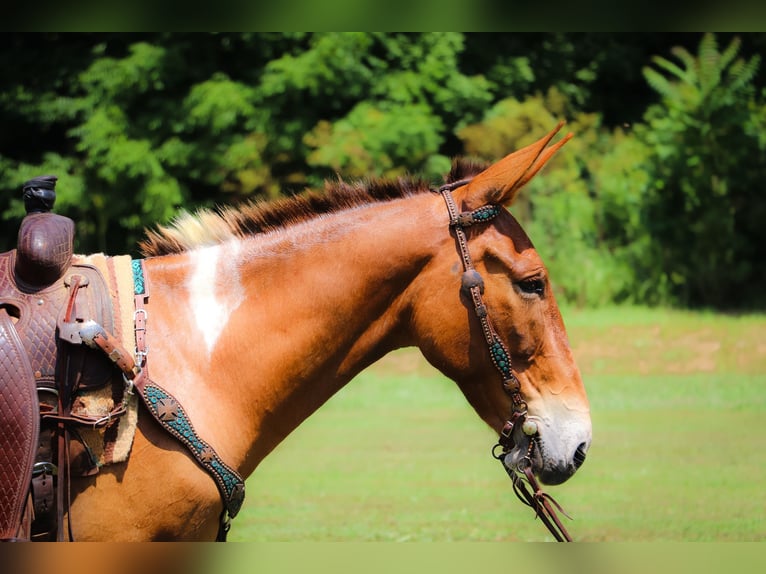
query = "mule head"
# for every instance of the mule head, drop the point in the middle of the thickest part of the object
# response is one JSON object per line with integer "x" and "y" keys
{"x": 522, "y": 309}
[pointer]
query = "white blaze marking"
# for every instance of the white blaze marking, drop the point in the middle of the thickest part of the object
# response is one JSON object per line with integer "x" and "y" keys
{"x": 215, "y": 289}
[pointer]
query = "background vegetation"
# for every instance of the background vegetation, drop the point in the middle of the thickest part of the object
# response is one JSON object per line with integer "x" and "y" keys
{"x": 657, "y": 201}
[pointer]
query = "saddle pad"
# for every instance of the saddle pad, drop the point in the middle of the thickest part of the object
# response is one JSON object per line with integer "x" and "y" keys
{"x": 112, "y": 443}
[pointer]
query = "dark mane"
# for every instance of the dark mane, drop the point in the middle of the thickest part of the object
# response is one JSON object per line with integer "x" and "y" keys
{"x": 209, "y": 227}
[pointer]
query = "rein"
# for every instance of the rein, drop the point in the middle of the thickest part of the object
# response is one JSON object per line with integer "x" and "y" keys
{"x": 525, "y": 484}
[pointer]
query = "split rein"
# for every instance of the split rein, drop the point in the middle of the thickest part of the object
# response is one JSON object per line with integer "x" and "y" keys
{"x": 525, "y": 484}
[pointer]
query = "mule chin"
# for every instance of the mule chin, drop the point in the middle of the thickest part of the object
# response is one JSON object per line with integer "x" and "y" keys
{"x": 552, "y": 476}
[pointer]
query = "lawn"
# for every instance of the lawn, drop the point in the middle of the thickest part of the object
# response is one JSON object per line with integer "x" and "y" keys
{"x": 679, "y": 452}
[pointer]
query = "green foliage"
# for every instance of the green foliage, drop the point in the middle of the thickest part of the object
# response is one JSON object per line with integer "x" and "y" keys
{"x": 655, "y": 201}
{"x": 377, "y": 141}
{"x": 511, "y": 124}
{"x": 583, "y": 210}
{"x": 387, "y": 101}
{"x": 578, "y": 220}
{"x": 127, "y": 180}
{"x": 620, "y": 182}
{"x": 666, "y": 212}
{"x": 704, "y": 209}
{"x": 221, "y": 138}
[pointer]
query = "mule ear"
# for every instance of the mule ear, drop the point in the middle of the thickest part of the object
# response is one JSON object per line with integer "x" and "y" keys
{"x": 501, "y": 182}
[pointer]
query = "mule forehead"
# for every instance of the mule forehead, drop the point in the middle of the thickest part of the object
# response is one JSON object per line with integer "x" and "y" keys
{"x": 507, "y": 242}
{"x": 508, "y": 225}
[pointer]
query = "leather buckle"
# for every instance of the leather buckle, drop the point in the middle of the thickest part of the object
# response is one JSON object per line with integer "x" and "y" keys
{"x": 507, "y": 429}
{"x": 44, "y": 467}
{"x": 506, "y": 439}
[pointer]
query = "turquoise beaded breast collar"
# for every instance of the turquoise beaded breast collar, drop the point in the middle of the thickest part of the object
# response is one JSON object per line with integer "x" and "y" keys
{"x": 169, "y": 413}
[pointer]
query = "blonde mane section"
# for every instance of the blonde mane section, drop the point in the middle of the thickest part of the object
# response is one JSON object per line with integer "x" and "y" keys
{"x": 188, "y": 231}
{"x": 211, "y": 227}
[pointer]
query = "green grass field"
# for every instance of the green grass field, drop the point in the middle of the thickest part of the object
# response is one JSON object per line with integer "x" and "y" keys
{"x": 679, "y": 451}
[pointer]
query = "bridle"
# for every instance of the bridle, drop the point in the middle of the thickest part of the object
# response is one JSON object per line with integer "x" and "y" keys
{"x": 525, "y": 484}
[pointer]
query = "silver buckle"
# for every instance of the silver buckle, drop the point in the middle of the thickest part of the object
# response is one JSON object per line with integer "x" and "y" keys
{"x": 44, "y": 468}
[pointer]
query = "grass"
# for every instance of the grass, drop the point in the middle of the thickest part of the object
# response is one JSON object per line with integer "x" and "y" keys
{"x": 679, "y": 452}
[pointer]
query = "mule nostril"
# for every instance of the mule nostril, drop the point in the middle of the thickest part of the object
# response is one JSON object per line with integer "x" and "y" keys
{"x": 579, "y": 455}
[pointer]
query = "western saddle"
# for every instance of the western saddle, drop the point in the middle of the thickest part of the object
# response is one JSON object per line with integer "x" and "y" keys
{"x": 57, "y": 316}
{"x": 45, "y": 300}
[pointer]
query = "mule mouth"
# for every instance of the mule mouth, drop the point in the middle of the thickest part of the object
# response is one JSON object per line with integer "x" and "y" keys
{"x": 548, "y": 471}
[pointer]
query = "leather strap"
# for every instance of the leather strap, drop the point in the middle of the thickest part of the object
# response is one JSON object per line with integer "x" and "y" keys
{"x": 473, "y": 287}
{"x": 539, "y": 501}
{"x": 167, "y": 411}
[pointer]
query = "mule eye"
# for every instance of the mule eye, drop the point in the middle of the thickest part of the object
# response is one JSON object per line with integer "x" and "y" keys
{"x": 532, "y": 286}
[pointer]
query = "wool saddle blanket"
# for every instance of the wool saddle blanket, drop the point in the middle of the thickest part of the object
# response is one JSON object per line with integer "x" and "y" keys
{"x": 110, "y": 443}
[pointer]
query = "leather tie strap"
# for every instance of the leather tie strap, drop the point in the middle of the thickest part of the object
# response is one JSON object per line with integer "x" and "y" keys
{"x": 540, "y": 502}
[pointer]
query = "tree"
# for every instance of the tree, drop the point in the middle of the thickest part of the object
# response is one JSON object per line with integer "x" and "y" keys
{"x": 705, "y": 209}
{"x": 656, "y": 200}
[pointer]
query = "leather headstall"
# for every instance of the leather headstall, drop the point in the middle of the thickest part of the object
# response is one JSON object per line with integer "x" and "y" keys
{"x": 472, "y": 285}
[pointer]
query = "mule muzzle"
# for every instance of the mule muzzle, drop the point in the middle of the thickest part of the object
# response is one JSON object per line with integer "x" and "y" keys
{"x": 530, "y": 450}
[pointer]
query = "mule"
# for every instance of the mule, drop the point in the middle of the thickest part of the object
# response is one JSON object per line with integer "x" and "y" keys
{"x": 260, "y": 314}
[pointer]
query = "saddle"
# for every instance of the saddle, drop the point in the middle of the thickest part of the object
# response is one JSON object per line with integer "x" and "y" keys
{"x": 57, "y": 356}
{"x": 46, "y": 300}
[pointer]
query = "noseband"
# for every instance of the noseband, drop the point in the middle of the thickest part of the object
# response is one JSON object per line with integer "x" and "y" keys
{"x": 472, "y": 285}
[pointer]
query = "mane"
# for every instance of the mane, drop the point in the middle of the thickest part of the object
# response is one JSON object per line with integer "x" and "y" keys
{"x": 213, "y": 226}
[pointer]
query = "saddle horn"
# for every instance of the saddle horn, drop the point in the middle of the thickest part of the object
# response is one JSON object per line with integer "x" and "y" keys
{"x": 46, "y": 239}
